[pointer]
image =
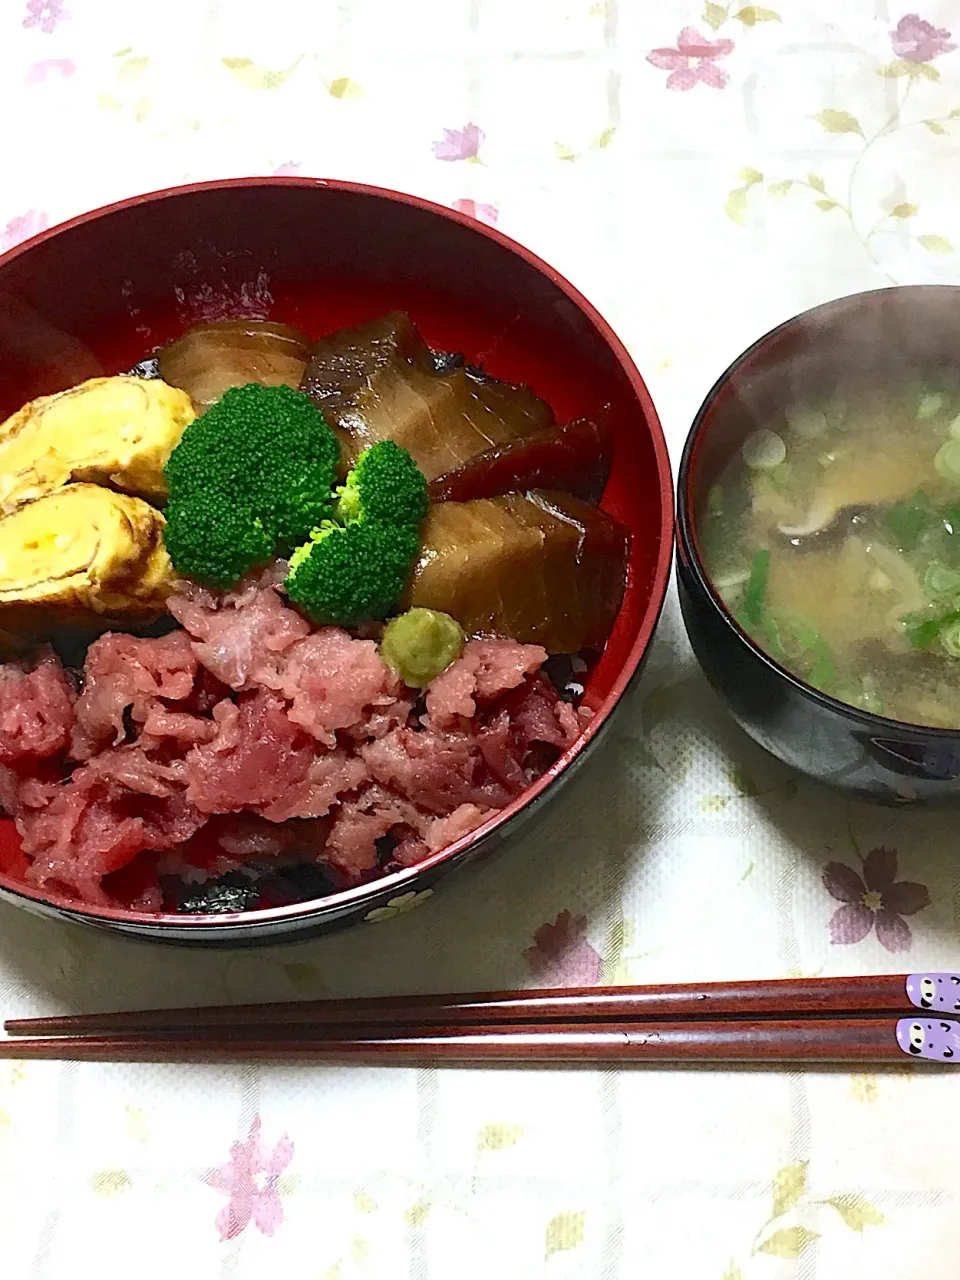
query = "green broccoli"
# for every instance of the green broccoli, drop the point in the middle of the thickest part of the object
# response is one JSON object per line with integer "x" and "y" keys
{"x": 351, "y": 574}
{"x": 253, "y": 478}
{"x": 385, "y": 485}
{"x": 355, "y": 571}
{"x": 215, "y": 541}
{"x": 267, "y": 449}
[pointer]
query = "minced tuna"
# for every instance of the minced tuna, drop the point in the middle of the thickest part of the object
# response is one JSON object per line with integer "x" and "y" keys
{"x": 248, "y": 739}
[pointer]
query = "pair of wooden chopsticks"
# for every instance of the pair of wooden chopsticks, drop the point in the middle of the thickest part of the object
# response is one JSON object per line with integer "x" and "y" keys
{"x": 861, "y": 1019}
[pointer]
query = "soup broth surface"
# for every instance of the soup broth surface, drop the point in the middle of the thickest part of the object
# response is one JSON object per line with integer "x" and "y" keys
{"x": 833, "y": 536}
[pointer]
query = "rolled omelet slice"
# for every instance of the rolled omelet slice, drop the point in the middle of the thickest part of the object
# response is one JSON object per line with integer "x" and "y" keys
{"x": 84, "y": 557}
{"x": 111, "y": 431}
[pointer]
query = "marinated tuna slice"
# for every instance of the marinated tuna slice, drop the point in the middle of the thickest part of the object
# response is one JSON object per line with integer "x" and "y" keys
{"x": 211, "y": 358}
{"x": 574, "y": 458}
{"x": 542, "y": 567}
{"x": 380, "y": 382}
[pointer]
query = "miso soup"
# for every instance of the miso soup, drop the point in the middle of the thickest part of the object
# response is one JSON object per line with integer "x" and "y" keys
{"x": 833, "y": 536}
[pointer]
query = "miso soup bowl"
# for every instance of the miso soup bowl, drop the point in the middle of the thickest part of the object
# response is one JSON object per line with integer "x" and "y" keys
{"x": 882, "y": 335}
{"x": 95, "y": 295}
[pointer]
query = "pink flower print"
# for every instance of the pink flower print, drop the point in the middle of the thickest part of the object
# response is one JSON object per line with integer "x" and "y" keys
{"x": 28, "y": 224}
{"x": 693, "y": 61}
{"x": 250, "y": 1180}
{"x": 37, "y": 72}
{"x": 878, "y": 899}
{"x": 45, "y": 14}
{"x": 919, "y": 41}
{"x": 289, "y": 169}
{"x": 561, "y": 956}
{"x": 459, "y": 144}
{"x": 488, "y": 213}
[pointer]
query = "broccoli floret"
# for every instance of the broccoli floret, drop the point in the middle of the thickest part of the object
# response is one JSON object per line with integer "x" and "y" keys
{"x": 215, "y": 541}
{"x": 266, "y": 448}
{"x": 355, "y": 571}
{"x": 386, "y": 485}
{"x": 351, "y": 574}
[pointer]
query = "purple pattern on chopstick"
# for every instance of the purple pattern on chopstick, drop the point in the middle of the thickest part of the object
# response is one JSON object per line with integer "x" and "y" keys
{"x": 935, "y": 1041}
{"x": 939, "y": 991}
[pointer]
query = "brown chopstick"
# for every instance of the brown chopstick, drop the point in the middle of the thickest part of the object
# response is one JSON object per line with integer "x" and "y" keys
{"x": 804, "y": 997}
{"x": 861, "y": 1040}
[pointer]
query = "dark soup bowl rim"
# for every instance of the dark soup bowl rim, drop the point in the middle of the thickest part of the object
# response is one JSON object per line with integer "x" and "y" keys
{"x": 258, "y": 924}
{"x": 687, "y": 536}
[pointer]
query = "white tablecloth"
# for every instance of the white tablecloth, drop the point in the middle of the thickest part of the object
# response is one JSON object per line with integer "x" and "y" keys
{"x": 701, "y": 174}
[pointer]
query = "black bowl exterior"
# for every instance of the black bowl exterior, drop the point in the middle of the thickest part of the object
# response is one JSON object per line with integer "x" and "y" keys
{"x": 823, "y": 738}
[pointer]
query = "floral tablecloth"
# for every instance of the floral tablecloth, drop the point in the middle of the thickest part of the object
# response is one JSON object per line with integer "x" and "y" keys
{"x": 701, "y": 171}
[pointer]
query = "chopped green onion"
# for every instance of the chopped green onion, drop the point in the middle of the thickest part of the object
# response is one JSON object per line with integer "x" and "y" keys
{"x": 796, "y": 644}
{"x": 931, "y": 402}
{"x": 715, "y": 500}
{"x": 807, "y": 423}
{"x": 922, "y": 634}
{"x": 941, "y": 582}
{"x": 953, "y": 430}
{"x": 772, "y": 642}
{"x": 862, "y": 693}
{"x": 870, "y": 699}
{"x": 763, "y": 451}
{"x": 905, "y": 520}
{"x": 757, "y": 587}
{"x": 781, "y": 477}
{"x": 947, "y": 460}
{"x": 730, "y": 586}
{"x": 821, "y": 670}
{"x": 823, "y": 673}
{"x": 950, "y": 639}
{"x": 921, "y": 629}
{"x": 733, "y": 578}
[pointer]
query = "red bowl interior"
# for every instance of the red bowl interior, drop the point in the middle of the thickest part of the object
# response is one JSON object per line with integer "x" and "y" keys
{"x": 95, "y": 295}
